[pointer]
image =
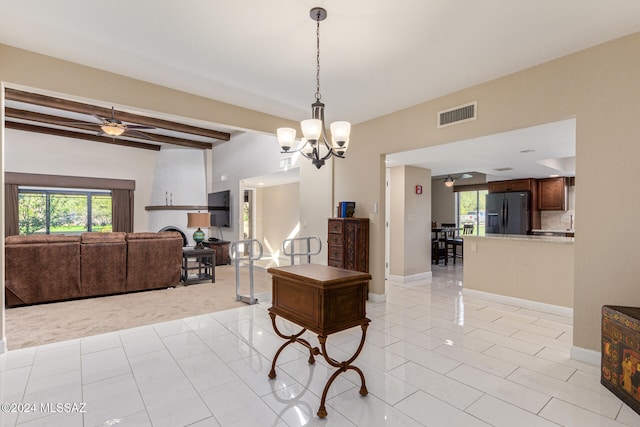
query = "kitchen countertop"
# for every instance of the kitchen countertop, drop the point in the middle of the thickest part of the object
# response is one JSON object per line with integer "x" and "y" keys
{"x": 522, "y": 237}
{"x": 559, "y": 231}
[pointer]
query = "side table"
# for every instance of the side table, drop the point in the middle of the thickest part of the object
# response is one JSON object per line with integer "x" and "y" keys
{"x": 324, "y": 300}
{"x": 198, "y": 265}
{"x": 222, "y": 250}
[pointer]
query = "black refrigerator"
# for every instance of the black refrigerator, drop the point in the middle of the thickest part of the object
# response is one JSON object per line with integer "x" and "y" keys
{"x": 508, "y": 213}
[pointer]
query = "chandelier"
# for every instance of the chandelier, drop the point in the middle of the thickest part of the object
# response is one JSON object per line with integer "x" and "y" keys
{"x": 315, "y": 145}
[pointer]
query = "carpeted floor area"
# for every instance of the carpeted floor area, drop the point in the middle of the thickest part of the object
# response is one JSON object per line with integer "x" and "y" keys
{"x": 53, "y": 322}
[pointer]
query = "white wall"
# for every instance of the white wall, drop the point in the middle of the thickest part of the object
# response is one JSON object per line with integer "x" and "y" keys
{"x": 279, "y": 214}
{"x": 28, "y": 152}
{"x": 244, "y": 156}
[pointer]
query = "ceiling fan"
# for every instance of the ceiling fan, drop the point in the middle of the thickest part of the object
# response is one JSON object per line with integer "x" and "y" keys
{"x": 112, "y": 127}
{"x": 449, "y": 180}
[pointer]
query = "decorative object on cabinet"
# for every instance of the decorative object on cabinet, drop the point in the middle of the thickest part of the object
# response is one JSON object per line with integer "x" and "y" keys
{"x": 346, "y": 209}
{"x": 553, "y": 194}
{"x": 198, "y": 220}
{"x": 620, "y": 365}
{"x": 315, "y": 136}
{"x": 348, "y": 240}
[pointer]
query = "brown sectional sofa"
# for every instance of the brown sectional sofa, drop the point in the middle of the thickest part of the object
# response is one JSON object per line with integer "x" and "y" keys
{"x": 53, "y": 268}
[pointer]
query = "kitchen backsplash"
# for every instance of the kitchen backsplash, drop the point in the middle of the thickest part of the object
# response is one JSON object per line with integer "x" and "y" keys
{"x": 557, "y": 220}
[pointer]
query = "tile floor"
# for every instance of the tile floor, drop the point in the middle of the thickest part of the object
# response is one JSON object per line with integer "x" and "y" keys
{"x": 432, "y": 357}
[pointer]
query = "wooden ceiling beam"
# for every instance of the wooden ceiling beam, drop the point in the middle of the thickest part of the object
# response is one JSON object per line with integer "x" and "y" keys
{"x": 77, "y": 135}
{"x": 14, "y": 113}
{"x": 78, "y": 107}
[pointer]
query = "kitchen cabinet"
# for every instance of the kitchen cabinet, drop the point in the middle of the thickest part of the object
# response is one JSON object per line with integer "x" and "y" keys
{"x": 348, "y": 240}
{"x": 553, "y": 194}
{"x": 511, "y": 185}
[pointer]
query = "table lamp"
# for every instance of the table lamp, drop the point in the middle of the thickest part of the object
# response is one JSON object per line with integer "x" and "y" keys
{"x": 198, "y": 220}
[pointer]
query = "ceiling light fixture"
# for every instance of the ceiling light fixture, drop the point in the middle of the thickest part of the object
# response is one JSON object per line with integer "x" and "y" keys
{"x": 113, "y": 129}
{"x": 315, "y": 136}
{"x": 448, "y": 182}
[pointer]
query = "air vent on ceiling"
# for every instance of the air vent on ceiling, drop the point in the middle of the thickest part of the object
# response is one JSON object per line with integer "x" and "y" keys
{"x": 459, "y": 114}
{"x": 503, "y": 169}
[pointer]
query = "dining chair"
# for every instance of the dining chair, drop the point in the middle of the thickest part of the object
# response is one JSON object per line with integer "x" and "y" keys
{"x": 458, "y": 241}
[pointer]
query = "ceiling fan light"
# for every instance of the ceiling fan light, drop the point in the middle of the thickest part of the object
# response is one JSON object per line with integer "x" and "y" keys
{"x": 311, "y": 129}
{"x": 112, "y": 129}
{"x": 448, "y": 182}
{"x": 286, "y": 138}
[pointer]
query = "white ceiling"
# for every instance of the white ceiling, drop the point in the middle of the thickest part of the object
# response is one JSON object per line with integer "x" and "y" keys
{"x": 376, "y": 56}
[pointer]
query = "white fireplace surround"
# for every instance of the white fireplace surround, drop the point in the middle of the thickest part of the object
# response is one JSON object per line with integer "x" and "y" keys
{"x": 179, "y": 180}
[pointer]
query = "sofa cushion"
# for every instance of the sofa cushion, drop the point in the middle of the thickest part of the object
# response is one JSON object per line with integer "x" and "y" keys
{"x": 93, "y": 237}
{"x": 155, "y": 236}
{"x": 103, "y": 263}
{"x": 41, "y": 269}
{"x": 154, "y": 260}
{"x": 40, "y": 239}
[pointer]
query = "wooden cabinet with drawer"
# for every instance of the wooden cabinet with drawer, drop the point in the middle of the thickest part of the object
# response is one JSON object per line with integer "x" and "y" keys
{"x": 348, "y": 243}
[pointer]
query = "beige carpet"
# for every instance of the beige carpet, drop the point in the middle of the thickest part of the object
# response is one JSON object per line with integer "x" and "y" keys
{"x": 53, "y": 322}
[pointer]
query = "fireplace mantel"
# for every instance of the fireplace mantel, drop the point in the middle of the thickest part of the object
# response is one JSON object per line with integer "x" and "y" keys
{"x": 176, "y": 208}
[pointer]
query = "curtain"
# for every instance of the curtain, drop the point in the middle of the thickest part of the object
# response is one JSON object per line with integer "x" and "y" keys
{"x": 11, "y": 226}
{"x": 122, "y": 210}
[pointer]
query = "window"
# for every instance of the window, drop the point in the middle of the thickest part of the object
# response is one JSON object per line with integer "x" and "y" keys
{"x": 55, "y": 211}
{"x": 471, "y": 209}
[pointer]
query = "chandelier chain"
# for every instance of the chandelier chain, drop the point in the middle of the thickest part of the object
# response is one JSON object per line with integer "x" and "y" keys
{"x": 318, "y": 96}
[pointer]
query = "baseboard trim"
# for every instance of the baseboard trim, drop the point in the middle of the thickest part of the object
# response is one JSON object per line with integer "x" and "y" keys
{"x": 377, "y": 297}
{"x": 585, "y": 355}
{"x": 533, "y": 305}
{"x": 413, "y": 278}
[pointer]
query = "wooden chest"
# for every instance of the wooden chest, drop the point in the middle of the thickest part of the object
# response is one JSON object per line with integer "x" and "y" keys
{"x": 320, "y": 298}
{"x": 620, "y": 368}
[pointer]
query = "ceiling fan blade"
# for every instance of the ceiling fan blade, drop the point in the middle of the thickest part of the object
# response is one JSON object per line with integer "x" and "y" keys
{"x": 139, "y": 127}
{"x": 136, "y": 134}
{"x": 102, "y": 120}
{"x": 64, "y": 123}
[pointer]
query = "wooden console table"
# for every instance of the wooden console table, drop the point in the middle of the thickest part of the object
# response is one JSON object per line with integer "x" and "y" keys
{"x": 323, "y": 300}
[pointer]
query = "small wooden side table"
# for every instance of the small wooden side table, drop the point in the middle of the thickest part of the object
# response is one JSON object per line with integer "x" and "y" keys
{"x": 204, "y": 268}
{"x": 324, "y": 300}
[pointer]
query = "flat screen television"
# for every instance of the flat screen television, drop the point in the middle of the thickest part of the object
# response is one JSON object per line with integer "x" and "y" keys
{"x": 219, "y": 208}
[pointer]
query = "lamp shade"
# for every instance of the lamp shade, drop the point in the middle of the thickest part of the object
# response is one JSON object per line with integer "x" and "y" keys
{"x": 197, "y": 220}
{"x": 286, "y": 138}
{"x": 113, "y": 129}
{"x": 340, "y": 133}
{"x": 449, "y": 181}
{"x": 312, "y": 129}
